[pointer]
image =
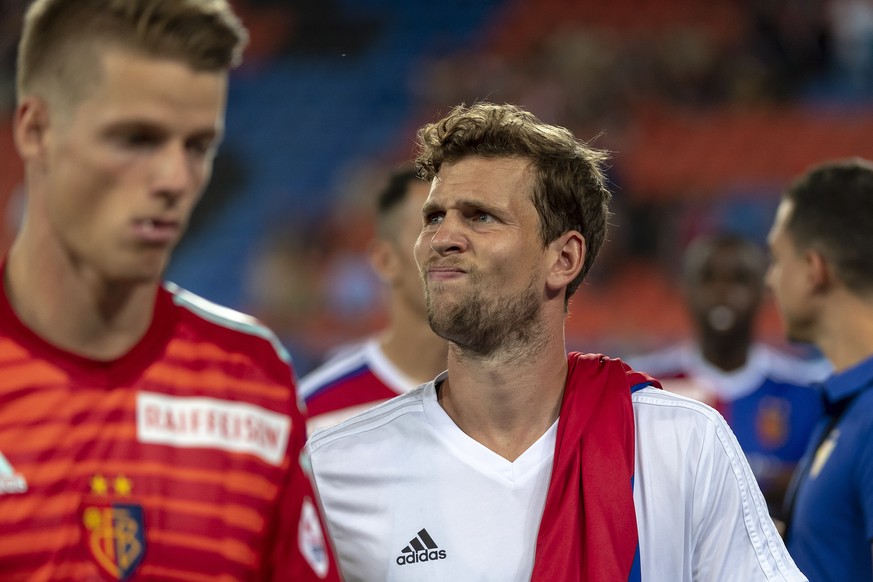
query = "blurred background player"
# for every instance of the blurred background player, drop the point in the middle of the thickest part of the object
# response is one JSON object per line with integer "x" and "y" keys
{"x": 822, "y": 278}
{"x": 407, "y": 352}
{"x": 764, "y": 394}
{"x": 144, "y": 432}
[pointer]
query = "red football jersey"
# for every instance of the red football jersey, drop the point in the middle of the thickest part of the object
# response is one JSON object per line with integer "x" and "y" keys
{"x": 356, "y": 378}
{"x": 178, "y": 461}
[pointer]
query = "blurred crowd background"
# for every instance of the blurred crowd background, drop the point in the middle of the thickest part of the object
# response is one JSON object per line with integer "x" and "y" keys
{"x": 709, "y": 108}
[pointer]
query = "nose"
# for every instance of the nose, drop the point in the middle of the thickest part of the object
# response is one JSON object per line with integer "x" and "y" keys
{"x": 721, "y": 288}
{"x": 768, "y": 278}
{"x": 174, "y": 172}
{"x": 449, "y": 236}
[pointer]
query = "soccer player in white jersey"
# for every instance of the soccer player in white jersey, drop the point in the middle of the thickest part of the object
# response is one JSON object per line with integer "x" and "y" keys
{"x": 524, "y": 462}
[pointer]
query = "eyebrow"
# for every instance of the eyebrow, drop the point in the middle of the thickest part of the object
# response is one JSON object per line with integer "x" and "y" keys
{"x": 428, "y": 207}
{"x": 137, "y": 125}
{"x": 466, "y": 203}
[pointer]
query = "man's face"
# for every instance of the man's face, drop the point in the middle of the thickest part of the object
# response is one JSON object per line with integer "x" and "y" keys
{"x": 481, "y": 256}
{"x": 120, "y": 173}
{"x": 786, "y": 278}
{"x": 724, "y": 288}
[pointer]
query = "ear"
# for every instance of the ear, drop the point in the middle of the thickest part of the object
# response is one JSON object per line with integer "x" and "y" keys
{"x": 31, "y": 124}
{"x": 818, "y": 271}
{"x": 568, "y": 257}
{"x": 383, "y": 259}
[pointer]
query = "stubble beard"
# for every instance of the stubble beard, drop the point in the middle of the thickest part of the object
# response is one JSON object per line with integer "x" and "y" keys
{"x": 482, "y": 327}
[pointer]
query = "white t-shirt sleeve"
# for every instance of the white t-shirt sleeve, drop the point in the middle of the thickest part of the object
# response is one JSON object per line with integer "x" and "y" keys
{"x": 735, "y": 536}
{"x": 700, "y": 514}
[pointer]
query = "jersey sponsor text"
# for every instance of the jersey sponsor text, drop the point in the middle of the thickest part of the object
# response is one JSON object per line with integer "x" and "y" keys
{"x": 212, "y": 423}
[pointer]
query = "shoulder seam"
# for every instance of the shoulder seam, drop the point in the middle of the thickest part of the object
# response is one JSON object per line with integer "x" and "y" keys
{"x": 366, "y": 421}
{"x": 658, "y": 397}
{"x": 225, "y": 317}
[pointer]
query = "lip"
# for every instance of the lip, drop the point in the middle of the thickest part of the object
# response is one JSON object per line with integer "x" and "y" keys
{"x": 436, "y": 273}
{"x": 159, "y": 231}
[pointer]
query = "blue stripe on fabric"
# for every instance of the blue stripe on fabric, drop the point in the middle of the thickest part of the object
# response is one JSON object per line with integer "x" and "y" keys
{"x": 640, "y": 386}
{"x": 635, "y": 574}
{"x": 636, "y": 570}
{"x": 329, "y": 385}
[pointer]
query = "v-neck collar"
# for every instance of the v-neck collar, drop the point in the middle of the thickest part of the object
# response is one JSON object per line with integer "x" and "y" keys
{"x": 478, "y": 455}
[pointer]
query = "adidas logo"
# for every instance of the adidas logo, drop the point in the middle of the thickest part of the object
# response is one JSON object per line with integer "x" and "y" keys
{"x": 10, "y": 481}
{"x": 421, "y": 548}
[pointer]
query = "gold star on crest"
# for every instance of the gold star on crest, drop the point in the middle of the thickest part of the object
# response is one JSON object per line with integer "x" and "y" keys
{"x": 99, "y": 485}
{"x": 122, "y": 485}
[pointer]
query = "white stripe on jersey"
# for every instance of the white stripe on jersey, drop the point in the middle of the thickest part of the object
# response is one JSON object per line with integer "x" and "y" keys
{"x": 346, "y": 359}
{"x": 226, "y": 317}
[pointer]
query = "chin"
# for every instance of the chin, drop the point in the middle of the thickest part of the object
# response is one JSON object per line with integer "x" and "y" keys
{"x": 138, "y": 279}
{"x": 796, "y": 337}
{"x": 141, "y": 274}
{"x": 798, "y": 333}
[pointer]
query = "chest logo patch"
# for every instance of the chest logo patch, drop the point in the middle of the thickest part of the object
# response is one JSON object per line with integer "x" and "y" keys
{"x": 772, "y": 422}
{"x": 113, "y": 530}
{"x": 421, "y": 548}
{"x": 823, "y": 453}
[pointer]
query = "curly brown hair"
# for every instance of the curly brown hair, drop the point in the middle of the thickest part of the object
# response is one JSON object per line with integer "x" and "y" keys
{"x": 570, "y": 191}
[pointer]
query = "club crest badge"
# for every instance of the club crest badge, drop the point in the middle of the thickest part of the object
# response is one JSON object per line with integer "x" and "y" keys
{"x": 773, "y": 422}
{"x": 113, "y": 529}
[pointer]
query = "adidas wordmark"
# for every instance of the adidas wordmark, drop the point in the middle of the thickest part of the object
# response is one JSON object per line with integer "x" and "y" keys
{"x": 421, "y": 548}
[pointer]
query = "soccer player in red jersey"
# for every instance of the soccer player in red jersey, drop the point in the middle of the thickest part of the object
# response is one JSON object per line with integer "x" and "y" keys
{"x": 144, "y": 432}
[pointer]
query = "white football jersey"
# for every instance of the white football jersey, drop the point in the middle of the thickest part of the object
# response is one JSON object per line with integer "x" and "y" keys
{"x": 409, "y": 496}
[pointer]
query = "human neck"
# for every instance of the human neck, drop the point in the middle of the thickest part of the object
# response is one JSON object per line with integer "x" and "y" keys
{"x": 413, "y": 347}
{"x": 72, "y": 308}
{"x": 846, "y": 334}
{"x": 506, "y": 401}
{"x": 726, "y": 353}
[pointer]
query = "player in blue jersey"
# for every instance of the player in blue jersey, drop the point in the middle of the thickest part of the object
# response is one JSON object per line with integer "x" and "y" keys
{"x": 764, "y": 394}
{"x": 822, "y": 276}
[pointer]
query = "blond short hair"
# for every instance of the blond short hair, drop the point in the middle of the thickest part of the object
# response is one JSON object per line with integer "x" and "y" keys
{"x": 61, "y": 39}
